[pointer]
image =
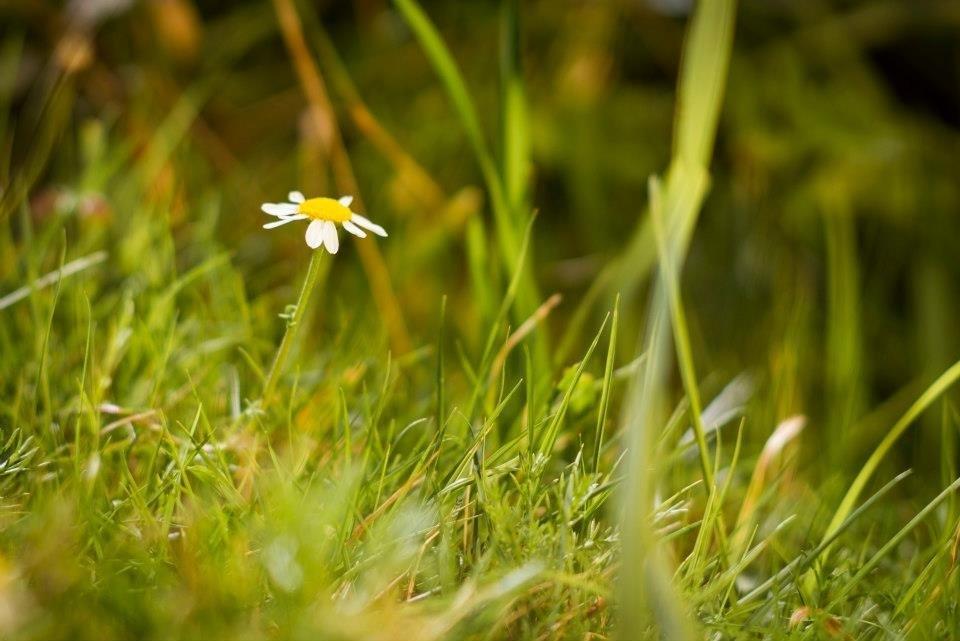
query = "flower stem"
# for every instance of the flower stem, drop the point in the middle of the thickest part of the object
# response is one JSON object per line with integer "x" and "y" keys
{"x": 293, "y": 324}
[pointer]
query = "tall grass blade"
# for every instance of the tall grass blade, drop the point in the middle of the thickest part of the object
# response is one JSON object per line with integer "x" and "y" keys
{"x": 932, "y": 393}
{"x": 507, "y": 225}
{"x": 645, "y": 583}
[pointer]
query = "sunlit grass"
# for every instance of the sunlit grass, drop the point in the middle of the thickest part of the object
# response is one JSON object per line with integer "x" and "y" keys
{"x": 209, "y": 432}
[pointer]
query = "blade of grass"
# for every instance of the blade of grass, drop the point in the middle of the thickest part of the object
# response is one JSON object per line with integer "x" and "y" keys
{"x": 486, "y": 360}
{"x": 442, "y": 371}
{"x": 607, "y": 385}
{"x": 645, "y": 582}
{"x": 443, "y": 63}
{"x": 684, "y": 352}
{"x": 805, "y": 559}
{"x": 645, "y": 588}
{"x": 932, "y": 393}
{"x": 843, "y": 351}
{"x": 549, "y": 438}
{"x": 706, "y": 58}
{"x": 867, "y": 567}
{"x": 69, "y": 269}
{"x": 506, "y": 224}
{"x": 515, "y": 135}
{"x": 43, "y": 378}
{"x": 479, "y": 268}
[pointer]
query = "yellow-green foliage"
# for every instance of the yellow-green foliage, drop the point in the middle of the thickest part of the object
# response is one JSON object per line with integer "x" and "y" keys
{"x": 666, "y": 311}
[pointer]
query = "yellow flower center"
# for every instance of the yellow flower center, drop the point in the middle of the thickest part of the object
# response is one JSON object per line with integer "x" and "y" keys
{"x": 325, "y": 209}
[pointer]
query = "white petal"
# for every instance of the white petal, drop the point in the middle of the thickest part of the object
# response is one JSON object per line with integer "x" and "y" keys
{"x": 353, "y": 229}
{"x": 295, "y": 197}
{"x": 279, "y": 209}
{"x": 369, "y": 224}
{"x": 315, "y": 234}
{"x": 346, "y": 200}
{"x": 284, "y": 220}
{"x": 330, "y": 239}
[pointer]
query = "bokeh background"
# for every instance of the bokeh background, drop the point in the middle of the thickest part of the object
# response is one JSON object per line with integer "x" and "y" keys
{"x": 826, "y": 255}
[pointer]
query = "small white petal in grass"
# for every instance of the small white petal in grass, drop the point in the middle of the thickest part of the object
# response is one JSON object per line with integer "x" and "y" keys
{"x": 353, "y": 229}
{"x": 324, "y": 214}
{"x": 314, "y": 235}
{"x": 330, "y": 239}
{"x": 366, "y": 223}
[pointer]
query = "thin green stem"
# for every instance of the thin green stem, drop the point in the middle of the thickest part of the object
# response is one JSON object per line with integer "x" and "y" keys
{"x": 293, "y": 324}
{"x": 681, "y": 333}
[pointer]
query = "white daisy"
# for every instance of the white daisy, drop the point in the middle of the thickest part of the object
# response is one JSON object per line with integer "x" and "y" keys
{"x": 323, "y": 213}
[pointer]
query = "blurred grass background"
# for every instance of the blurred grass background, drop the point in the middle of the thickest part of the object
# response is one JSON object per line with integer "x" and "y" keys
{"x": 145, "y": 492}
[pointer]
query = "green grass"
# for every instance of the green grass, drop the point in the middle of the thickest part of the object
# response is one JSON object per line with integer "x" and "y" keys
{"x": 209, "y": 431}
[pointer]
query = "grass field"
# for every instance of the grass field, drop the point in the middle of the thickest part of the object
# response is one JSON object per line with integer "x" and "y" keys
{"x": 661, "y": 343}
